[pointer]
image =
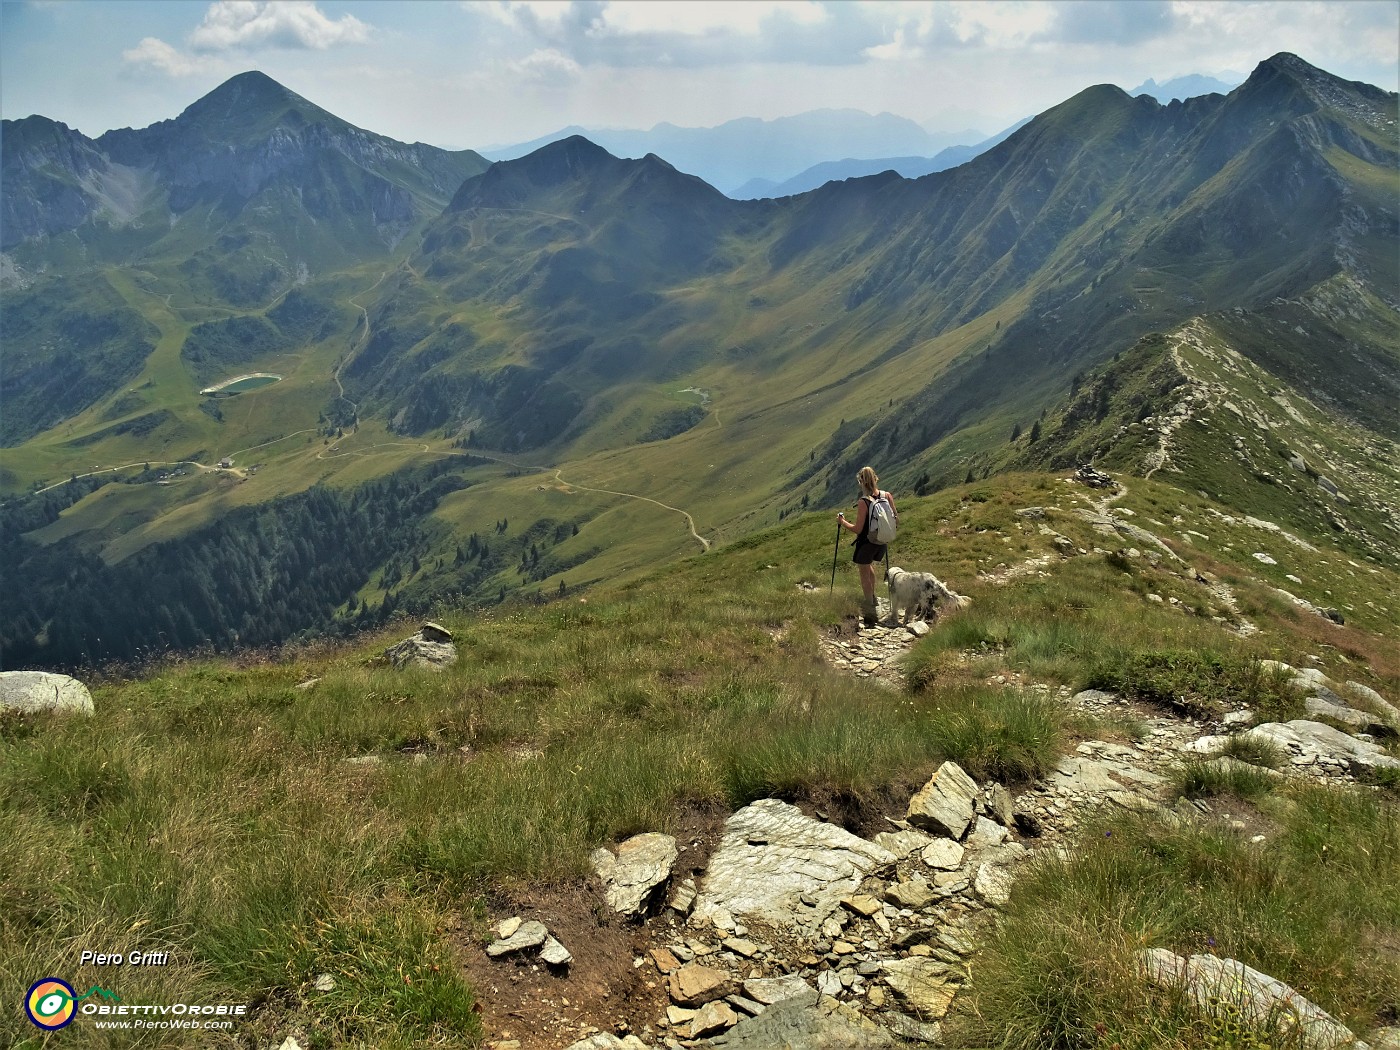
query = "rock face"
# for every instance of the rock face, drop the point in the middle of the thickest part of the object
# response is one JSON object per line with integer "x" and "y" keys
{"x": 946, "y": 803}
{"x": 776, "y": 866}
{"x": 1227, "y": 987}
{"x": 431, "y": 647}
{"x": 33, "y": 691}
{"x": 641, "y": 864}
{"x": 805, "y": 1022}
{"x": 1307, "y": 743}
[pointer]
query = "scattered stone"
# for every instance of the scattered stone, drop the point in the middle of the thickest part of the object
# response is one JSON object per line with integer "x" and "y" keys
{"x": 770, "y": 990}
{"x": 607, "y": 1041}
{"x": 324, "y": 983}
{"x": 863, "y": 904}
{"x": 914, "y": 892}
{"x": 430, "y": 647}
{"x": 945, "y": 803}
{"x": 748, "y": 1006}
{"x": 31, "y": 692}
{"x": 710, "y": 1018}
{"x": 555, "y": 953}
{"x": 641, "y": 864}
{"x": 806, "y": 1022}
{"x": 776, "y": 866}
{"x": 508, "y": 927}
{"x": 999, "y": 804}
{"x": 1228, "y": 988}
{"x": 986, "y": 833}
{"x": 683, "y": 896}
{"x": 740, "y": 946}
{"x": 529, "y": 935}
{"x": 944, "y": 854}
{"x": 290, "y": 1043}
{"x": 665, "y": 960}
{"x": 310, "y": 683}
{"x": 695, "y": 984}
{"x": 924, "y": 984}
{"x": 828, "y": 983}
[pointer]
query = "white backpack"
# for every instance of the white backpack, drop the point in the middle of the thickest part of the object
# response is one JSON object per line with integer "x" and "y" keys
{"x": 881, "y": 526}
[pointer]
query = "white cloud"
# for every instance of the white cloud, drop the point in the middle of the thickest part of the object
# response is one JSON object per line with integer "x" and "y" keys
{"x": 546, "y": 67}
{"x": 287, "y": 23}
{"x": 161, "y": 56}
{"x": 746, "y": 17}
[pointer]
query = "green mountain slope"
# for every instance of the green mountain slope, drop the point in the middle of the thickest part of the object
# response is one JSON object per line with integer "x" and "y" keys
{"x": 626, "y": 365}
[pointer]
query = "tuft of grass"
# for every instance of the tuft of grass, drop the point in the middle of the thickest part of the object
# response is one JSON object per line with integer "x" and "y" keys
{"x": 999, "y": 734}
{"x": 1254, "y": 750}
{"x": 1212, "y": 777}
{"x": 1199, "y": 682}
{"x": 1059, "y": 971}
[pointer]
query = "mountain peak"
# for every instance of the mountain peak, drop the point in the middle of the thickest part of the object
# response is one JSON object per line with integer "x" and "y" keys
{"x": 248, "y": 101}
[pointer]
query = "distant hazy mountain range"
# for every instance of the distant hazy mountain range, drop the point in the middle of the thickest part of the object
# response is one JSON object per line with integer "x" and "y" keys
{"x": 737, "y": 152}
{"x": 1186, "y": 87}
{"x": 839, "y": 170}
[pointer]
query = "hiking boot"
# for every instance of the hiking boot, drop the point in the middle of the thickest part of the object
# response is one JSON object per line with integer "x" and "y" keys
{"x": 869, "y": 614}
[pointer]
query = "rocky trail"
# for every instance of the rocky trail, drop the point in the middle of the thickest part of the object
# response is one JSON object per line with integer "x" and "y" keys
{"x": 778, "y": 927}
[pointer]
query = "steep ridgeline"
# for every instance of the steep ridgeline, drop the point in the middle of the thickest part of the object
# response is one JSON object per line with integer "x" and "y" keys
{"x": 1104, "y": 218}
{"x": 242, "y": 154}
{"x": 250, "y": 190}
{"x": 1109, "y": 217}
{"x": 1195, "y": 407}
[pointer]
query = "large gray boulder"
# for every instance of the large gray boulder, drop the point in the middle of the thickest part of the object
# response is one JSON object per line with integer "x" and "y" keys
{"x": 777, "y": 867}
{"x": 31, "y": 692}
{"x": 1308, "y": 741}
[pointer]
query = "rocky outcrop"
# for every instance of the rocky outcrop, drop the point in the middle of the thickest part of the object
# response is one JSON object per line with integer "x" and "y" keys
{"x": 31, "y": 692}
{"x": 776, "y": 866}
{"x": 1309, "y": 744}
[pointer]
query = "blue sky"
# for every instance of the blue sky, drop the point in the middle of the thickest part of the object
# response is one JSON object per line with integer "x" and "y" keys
{"x": 476, "y": 74}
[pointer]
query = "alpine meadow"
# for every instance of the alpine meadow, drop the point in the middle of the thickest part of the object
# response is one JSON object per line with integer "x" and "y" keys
{"x": 279, "y": 392}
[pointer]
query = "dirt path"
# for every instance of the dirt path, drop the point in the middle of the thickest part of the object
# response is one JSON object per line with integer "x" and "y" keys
{"x": 689, "y": 521}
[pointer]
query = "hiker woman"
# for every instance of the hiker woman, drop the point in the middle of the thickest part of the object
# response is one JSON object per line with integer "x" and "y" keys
{"x": 867, "y": 553}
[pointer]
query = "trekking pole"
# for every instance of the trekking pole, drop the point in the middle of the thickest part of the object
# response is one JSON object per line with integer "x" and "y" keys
{"x": 835, "y": 553}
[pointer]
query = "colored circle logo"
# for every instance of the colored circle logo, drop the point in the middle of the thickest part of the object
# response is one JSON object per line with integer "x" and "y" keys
{"x": 50, "y": 1003}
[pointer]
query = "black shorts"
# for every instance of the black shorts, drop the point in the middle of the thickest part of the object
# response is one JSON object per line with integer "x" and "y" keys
{"x": 868, "y": 553}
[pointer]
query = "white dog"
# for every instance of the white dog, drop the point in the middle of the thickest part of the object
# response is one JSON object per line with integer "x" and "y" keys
{"x": 920, "y": 593}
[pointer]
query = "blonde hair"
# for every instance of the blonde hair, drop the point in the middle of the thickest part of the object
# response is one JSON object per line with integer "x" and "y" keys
{"x": 868, "y": 481}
